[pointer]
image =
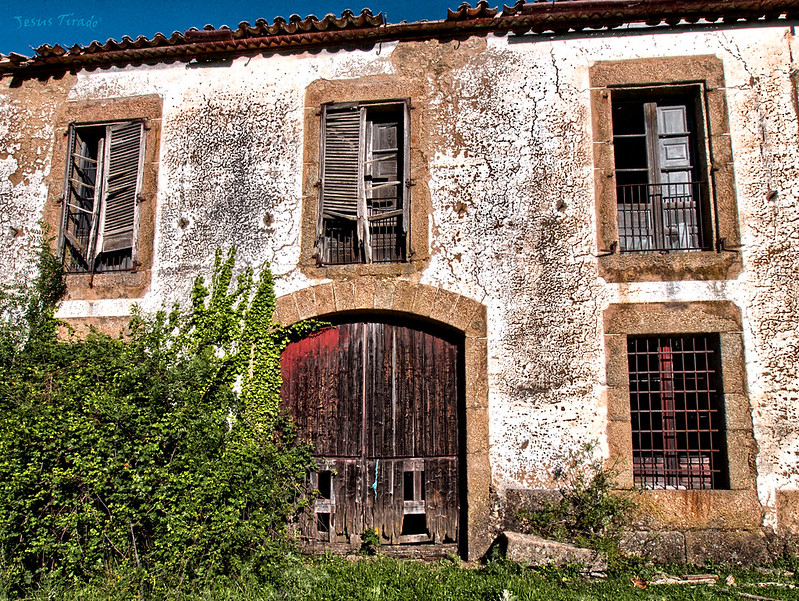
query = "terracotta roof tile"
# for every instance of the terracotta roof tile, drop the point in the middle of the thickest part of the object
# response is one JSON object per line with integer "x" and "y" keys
{"x": 465, "y": 11}
{"x": 366, "y": 29}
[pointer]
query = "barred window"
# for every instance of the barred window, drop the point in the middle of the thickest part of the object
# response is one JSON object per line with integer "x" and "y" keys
{"x": 364, "y": 200}
{"x": 677, "y": 412}
{"x": 101, "y": 190}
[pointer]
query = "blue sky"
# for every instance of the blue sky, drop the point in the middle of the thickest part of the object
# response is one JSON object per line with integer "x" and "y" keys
{"x": 30, "y": 23}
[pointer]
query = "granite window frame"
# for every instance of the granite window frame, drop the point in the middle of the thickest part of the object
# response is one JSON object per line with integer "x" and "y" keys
{"x": 672, "y": 507}
{"x": 704, "y": 76}
{"x": 365, "y": 90}
{"x": 146, "y": 109}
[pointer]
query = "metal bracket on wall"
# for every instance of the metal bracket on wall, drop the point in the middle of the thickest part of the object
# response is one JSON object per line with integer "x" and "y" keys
{"x": 604, "y": 252}
{"x": 721, "y": 246}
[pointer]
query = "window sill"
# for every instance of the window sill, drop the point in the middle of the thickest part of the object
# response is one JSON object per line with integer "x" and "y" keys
{"x": 669, "y": 267}
{"x": 697, "y": 509}
{"x": 107, "y": 285}
{"x": 353, "y": 270}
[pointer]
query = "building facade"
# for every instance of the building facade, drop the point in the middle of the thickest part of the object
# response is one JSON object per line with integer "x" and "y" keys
{"x": 565, "y": 223}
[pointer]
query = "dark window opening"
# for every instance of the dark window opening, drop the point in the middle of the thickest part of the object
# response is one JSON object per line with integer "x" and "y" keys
{"x": 414, "y": 524}
{"x": 661, "y": 201}
{"x": 324, "y": 484}
{"x": 676, "y": 412}
{"x": 364, "y": 184}
{"x": 103, "y": 177}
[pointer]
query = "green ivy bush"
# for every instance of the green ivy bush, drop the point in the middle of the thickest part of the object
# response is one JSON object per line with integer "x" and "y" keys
{"x": 162, "y": 454}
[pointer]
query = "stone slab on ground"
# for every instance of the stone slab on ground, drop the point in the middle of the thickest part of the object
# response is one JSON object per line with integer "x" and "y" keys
{"x": 533, "y": 550}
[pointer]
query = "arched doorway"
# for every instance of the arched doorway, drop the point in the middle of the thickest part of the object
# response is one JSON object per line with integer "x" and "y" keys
{"x": 380, "y": 400}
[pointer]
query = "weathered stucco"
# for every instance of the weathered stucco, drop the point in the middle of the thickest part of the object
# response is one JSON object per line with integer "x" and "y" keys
{"x": 505, "y": 134}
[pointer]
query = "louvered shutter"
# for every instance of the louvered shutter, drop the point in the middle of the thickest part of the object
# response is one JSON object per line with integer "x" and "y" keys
{"x": 341, "y": 163}
{"x": 121, "y": 186}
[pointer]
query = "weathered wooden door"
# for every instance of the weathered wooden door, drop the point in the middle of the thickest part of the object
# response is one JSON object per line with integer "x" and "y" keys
{"x": 379, "y": 402}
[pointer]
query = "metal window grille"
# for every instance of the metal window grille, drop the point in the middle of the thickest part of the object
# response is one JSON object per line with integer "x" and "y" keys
{"x": 676, "y": 411}
{"x": 660, "y": 217}
{"x": 340, "y": 242}
{"x": 387, "y": 240}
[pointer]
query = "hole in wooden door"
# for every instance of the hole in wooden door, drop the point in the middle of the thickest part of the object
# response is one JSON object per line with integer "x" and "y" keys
{"x": 324, "y": 484}
{"x": 414, "y": 524}
{"x": 323, "y": 526}
{"x": 408, "y": 486}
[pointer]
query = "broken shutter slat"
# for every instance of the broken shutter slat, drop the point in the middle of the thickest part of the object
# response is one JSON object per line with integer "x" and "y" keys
{"x": 95, "y": 232}
{"x": 364, "y": 232}
{"x": 121, "y": 185}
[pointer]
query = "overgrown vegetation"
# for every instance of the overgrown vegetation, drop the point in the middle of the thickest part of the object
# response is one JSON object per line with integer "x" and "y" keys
{"x": 589, "y": 513}
{"x": 370, "y": 542}
{"x": 162, "y": 456}
{"x": 370, "y": 579}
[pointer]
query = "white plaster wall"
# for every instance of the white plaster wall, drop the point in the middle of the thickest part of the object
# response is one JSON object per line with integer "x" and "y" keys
{"x": 513, "y": 221}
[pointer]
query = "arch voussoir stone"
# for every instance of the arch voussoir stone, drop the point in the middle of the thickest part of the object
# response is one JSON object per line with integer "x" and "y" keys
{"x": 380, "y": 294}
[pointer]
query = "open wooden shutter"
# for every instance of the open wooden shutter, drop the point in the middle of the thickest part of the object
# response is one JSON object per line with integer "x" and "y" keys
{"x": 383, "y": 189}
{"x": 81, "y": 197}
{"x": 121, "y": 186}
{"x": 680, "y": 225}
{"x": 405, "y": 173}
{"x": 341, "y": 163}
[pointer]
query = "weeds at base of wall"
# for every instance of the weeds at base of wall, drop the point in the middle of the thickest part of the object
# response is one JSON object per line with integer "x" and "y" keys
{"x": 297, "y": 578}
{"x": 589, "y": 513}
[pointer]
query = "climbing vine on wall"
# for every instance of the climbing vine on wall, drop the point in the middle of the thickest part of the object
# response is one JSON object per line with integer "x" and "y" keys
{"x": 163, "y": 452}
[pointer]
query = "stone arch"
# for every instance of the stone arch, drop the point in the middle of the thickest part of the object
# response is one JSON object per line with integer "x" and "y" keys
{"x": 463, "y": 314}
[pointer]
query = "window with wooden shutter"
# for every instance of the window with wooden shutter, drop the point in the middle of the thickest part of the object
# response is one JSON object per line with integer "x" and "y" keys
{"x": 364, "y": 200}
{"x": 661, "y": 202}
{"x": 101, "y": 191}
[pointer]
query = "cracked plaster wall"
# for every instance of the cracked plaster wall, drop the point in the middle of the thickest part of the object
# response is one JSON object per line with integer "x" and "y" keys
{"x": 512, "y": 223}
{"x": 26, "y": 139}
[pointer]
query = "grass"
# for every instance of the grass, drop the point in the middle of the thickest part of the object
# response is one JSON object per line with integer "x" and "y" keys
{"x": 367, "y": 579}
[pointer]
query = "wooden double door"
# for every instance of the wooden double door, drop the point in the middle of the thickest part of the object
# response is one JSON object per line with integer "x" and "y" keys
{"x": 379, "y": 403}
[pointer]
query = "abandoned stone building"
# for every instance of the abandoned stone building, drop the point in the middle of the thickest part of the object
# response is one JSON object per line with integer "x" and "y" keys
{"x": 533, "y": 228}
